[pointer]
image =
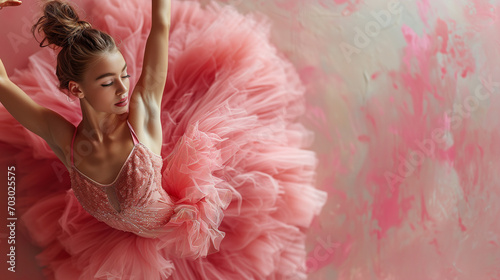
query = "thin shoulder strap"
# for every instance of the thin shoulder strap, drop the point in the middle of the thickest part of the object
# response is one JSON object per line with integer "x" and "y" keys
{"x": 72, "y": 141}
{"x": 134, "y": 136}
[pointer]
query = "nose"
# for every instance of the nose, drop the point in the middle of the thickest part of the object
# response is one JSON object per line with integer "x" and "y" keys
{"x": 122, "y": 88}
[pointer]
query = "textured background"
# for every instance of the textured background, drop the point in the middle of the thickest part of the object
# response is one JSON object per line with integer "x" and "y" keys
{"x": 403, "y": 97}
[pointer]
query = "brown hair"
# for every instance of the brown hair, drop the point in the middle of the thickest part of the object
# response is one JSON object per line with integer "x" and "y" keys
{"x": 80, "y": 43}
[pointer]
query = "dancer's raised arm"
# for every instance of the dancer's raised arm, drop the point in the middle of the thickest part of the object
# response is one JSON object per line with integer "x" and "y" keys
{"x": 21, "y": 106}
{"x": 146, "y": 99}
{"x": 44, "y": 122}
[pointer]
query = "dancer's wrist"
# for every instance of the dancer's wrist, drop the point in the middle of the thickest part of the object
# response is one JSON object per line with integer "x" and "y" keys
{"x": 161, "y": 12}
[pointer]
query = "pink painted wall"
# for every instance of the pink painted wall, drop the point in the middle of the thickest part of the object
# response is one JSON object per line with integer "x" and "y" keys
{"x": 403, "y": 100}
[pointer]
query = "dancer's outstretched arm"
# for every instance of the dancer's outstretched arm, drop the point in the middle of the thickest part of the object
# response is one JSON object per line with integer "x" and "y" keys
{"x": 145, "y": 102}
{"x": 49, "y": 125}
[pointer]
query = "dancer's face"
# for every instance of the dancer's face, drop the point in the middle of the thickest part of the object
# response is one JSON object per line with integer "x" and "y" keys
{"x": 105, "y": 84}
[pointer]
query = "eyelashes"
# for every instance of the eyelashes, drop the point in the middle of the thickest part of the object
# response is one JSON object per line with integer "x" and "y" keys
{"x": 107, "y": 85}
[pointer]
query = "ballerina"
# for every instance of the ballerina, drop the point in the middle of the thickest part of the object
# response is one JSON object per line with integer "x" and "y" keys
{"x": 166, "y": 178}
{"x": 112, "y": 185}
{"x": 91, "y": 68}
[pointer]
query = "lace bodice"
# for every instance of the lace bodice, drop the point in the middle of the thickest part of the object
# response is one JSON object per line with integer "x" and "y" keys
{"x": 135, "y": 201}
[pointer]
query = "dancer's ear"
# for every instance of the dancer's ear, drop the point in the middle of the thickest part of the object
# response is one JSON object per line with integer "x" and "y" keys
{"x": 75, "y": 90}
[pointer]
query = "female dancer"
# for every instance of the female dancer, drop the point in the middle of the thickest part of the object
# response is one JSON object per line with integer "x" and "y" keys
{"x": 221, "y": 159}
{"x": 91, "y": 68}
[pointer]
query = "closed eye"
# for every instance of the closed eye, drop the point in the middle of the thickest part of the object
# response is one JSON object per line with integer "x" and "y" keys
{"x": 124, "y": 77}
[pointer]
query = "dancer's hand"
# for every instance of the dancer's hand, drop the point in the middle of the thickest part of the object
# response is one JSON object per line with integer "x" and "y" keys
{"x": 6, "y": 3}
{"x": 3, "y": 73}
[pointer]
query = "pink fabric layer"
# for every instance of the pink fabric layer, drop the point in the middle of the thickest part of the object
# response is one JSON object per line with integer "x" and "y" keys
{"x": 235, "y": 158}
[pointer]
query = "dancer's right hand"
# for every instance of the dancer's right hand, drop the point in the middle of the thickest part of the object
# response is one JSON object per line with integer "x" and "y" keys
{"x": 3, "y": 72}
{"x": 6, "y": 3}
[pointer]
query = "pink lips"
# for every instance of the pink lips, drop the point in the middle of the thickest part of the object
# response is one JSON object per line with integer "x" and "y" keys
{"x": 122, "y": 102}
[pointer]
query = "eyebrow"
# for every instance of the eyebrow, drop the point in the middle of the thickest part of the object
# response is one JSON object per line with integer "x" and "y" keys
{"x": 110, "y": 74}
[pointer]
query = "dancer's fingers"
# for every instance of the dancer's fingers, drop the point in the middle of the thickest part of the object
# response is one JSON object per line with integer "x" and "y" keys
{"x": 10, "y": 3}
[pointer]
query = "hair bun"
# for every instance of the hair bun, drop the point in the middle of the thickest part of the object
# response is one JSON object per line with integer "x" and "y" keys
{"x": 60, "y": 24}
{"x": 83, "y": 24}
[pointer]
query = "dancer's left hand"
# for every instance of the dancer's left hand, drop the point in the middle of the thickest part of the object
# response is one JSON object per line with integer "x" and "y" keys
{"x": 6, "y": 3}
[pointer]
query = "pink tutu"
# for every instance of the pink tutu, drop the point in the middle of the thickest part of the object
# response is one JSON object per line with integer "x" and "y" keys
{"x": 231, "y": 133}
